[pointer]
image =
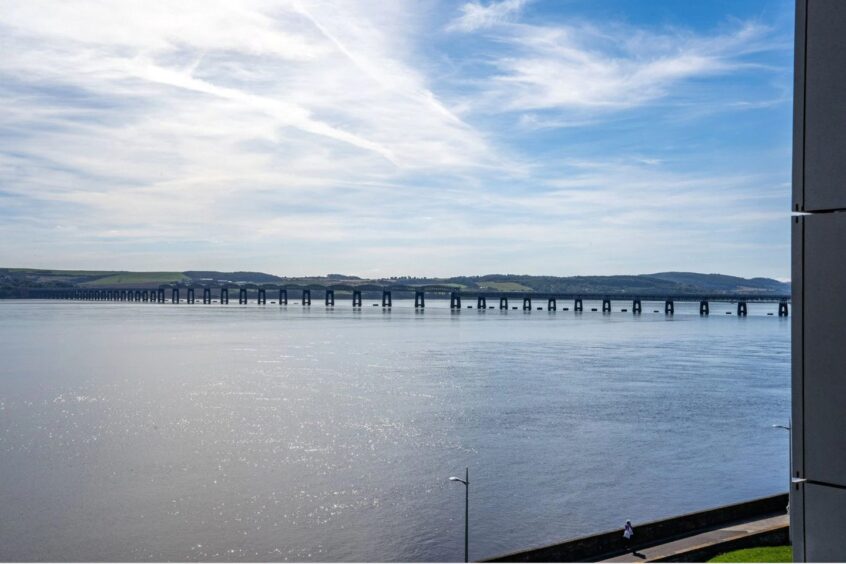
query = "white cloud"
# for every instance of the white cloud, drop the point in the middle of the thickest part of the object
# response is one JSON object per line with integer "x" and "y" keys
{"x": 595, "y": 71}
{"x": 138, "y": 112}
{"x": 480, "y": 16}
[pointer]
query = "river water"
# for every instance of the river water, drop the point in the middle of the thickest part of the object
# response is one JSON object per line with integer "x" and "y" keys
{"x": 251, "y": 433}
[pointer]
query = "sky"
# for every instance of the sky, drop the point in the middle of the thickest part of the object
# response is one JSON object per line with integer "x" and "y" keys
{"x": 390, "y": 138}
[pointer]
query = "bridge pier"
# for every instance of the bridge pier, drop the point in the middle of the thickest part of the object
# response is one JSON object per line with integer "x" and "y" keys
{"x": 481, "y": 302}
{"x": 329, "y": 298}
{"x": 174, "y": 296}
{"x": 577, "y": 305}
{"x": 242, "y": 295}
{"x": 224, "y": 295}
{"x": 704, "y": 308}
{"x": 419, "y": 299}
{"x": 741, "y": 309}
{"x": 606, "y": 305}
{"x": 527, "y": 303}
{"x": 637, "y": 308}
{"x": 454, "y": 300}
{"x": 503, "y": 302}
{"x": 551, "y": 305}
{"x": 137, "y": 295}
{"x": 386, "y": 298}
{"x": 669, "y": 307}
{"x": 262, "y": 296}
{"x": 782, "y": 309}
{"x": 206, "y": 295}
{"x": 306, "y": 297}
{"x": 161, "y": 295}
{"x": 283, "y": 296}
{"x": 190, "y": 297}
{"x": 357, "y": 299}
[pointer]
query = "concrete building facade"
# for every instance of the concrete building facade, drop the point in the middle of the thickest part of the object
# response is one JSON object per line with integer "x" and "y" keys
{"x": 818, "y": 491}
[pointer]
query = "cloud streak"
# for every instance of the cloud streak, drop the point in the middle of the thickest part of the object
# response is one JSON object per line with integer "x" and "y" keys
{"x": 475, "y": 15}
{"x": 598, "y": 70}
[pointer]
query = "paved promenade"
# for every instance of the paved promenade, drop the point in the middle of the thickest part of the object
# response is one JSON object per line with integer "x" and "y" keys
{"x": 676, "y": 550}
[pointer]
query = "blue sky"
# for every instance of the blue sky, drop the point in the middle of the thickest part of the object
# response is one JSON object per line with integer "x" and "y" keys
{"x": 382, "y": 138}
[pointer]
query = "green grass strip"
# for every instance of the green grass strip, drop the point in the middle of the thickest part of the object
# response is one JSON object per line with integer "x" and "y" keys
{"x": 759, "y": 554}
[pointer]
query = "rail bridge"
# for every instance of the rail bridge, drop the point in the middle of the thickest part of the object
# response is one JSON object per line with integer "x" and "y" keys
{"x": 503, "y": 300}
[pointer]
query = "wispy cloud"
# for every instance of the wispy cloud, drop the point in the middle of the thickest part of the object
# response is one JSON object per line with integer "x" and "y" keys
{"x": 590, "y": 69}
{"x": 475, "y": 15}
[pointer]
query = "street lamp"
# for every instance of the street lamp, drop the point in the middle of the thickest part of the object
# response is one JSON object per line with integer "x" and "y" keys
{"x": 466, "y": 482}
{"x": 789, "y": 430}
{"x": 790, "y": 447}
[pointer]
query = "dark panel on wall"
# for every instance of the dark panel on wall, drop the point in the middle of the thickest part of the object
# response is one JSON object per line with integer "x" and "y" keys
{"x": 824, "y": 314}
{"x": 799, "y": 108}
{"x": 825, "y": 110}
{"x": 825, "y": 515}
{"x": 797, "y": 506}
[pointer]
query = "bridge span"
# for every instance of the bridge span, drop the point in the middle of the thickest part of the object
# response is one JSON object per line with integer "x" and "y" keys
{"x": 502, "y": 300}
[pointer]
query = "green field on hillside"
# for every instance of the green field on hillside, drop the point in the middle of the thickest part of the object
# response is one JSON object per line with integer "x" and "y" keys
{"x": 138, "y": 278}
{"x": 505, "y": 286}
{"x": 41, "y": 272}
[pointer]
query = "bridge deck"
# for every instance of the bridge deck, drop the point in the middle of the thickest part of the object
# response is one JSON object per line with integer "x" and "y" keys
{"x": 329, "y": 294}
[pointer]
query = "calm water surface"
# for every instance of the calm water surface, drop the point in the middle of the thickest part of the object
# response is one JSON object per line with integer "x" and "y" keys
{"x": 162, "y": 432}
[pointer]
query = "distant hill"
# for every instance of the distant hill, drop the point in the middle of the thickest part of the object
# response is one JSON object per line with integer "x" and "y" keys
{"x": 722, "y": 282}
{"x": 664, "y": 282}
{"x": 234, "y": 277}
{"x": 15, "y": 281}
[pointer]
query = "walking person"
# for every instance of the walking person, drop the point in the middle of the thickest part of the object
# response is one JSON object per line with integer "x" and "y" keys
{"x": 628, "y": 535}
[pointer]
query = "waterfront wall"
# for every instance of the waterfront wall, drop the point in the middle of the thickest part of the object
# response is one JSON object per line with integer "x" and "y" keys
{"x": 596, "y": 547}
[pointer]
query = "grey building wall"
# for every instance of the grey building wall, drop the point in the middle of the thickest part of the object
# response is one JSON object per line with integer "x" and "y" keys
{"x": 818, "y": 498}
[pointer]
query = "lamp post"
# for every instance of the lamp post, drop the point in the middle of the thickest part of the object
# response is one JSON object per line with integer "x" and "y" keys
{"x": 789, "y": 430}
{"x": 466, "y": 482}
